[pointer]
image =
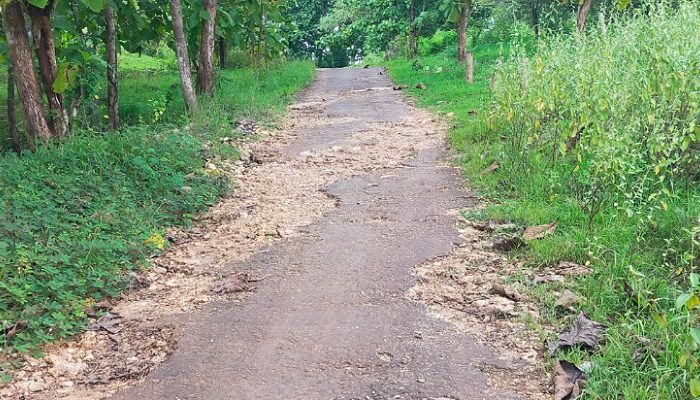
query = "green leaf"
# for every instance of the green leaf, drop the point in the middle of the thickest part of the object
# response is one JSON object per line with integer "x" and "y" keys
{"x": 682, "y": 299}
{"x": 695, "y": 387}
{"x": 623, "y": 4}
{"x": 64, "y": 77}
{"x": 694, "y": 279}
{"x": 695, "y": 334}
{"x": 692, "y": 303}
{"x": 95, "y": 5}
{"x": 38, "y": 3}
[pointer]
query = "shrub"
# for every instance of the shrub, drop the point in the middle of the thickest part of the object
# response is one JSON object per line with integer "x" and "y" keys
{"x": 438, "y": 42}
{"x": 618, "y": 108}
{"x": 601, "y": 131}
{"x": 75, "y": 219}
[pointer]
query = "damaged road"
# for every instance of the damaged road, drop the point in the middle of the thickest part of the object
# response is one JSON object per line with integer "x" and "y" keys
{"x": 301, "y": 285}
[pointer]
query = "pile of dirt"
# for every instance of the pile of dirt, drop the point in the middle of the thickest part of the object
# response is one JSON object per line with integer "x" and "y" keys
{"x": 98, "y": 357}
{"x": 470, "y": 288}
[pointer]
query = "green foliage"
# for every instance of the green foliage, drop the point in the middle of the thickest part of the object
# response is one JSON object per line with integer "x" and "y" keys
{"x": 438, "y": 42}
{"x": 353, "y": 28}
{"x": 625, "y": 193}
{"x": 619, "y": 108}
{"x": 76, "y": 219}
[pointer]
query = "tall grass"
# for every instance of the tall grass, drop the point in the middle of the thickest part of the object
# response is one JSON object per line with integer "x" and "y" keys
{"x": 601, "y": 132}
{"x": 618, "y": 107}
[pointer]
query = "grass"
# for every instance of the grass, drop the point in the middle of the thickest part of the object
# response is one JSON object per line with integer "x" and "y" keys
{"x": 77, "y": 218}
{"x": 640, "y": 265}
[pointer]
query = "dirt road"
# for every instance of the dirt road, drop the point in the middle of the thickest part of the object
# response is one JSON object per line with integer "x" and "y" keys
{"x": 330, "y": 219}
{"x": 331, "y": 321}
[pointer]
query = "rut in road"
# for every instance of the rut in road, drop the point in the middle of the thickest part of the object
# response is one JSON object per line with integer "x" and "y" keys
{"x": 357, "y": 193}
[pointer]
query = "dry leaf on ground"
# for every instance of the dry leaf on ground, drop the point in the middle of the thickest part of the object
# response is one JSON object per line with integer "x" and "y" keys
{"x": 111, "y": 323}
{"x": 491, "y": 168}
{"x": 540, "y": 231}
{"x": 583, "y": 332}
{"x": 566, "y": 300}
{"x": 568, "y": 381}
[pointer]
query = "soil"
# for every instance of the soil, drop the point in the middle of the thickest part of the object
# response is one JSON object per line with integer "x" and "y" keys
{"x": 337, "y": 269}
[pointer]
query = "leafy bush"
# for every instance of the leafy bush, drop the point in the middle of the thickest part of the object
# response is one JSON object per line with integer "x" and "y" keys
{"x": 618, "y": 109}
{"x": 601, "y": 132}
{"x": 598, "y": 132}
{"x": 438, "y": 42}
{"x": 76, "y": 218}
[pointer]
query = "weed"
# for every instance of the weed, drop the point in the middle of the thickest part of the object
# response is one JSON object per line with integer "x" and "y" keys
{"x": 598, "y": 132}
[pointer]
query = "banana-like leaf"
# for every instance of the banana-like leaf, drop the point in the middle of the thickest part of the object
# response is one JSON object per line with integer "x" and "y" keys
{"x": 95, "y": 5}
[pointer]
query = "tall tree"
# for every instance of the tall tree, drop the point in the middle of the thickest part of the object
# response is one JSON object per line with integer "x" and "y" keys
{"x": 412, "y": 36}
{"x": 207, "y": 46}
{"x": 183, "y": 58}
{"x": 112, "y": 77}
{"x": 462, "y": 29}
{"x": 535, "y": 16}
{"x": 27, "y": 85}
{"x": 42, "y": 33}
{"x": 11, "y": 113}
{"x": 222, "y": 52}
{"x": 583, "y": 10}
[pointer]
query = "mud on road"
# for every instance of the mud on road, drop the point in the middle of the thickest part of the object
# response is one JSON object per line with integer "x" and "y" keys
{"x": 310, "y": 281}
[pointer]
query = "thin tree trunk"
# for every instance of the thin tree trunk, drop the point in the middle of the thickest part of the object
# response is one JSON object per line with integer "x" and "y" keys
{"x": 462, "y": 30}
{"x": 412, "y": 37}
{"x": 583, "y": 11}
{"x": 206, "y": 50}
{"x": 222, "y": 53}
{"x": 534, "y": 11}
{"x": 112, "y": 77}
{"x": 469, "y": 67}
{"x": 45, "y": 49}
{"x": 27, "y": 85}
{"x": 11, "y": 113}
{"x": 183, "y": 58}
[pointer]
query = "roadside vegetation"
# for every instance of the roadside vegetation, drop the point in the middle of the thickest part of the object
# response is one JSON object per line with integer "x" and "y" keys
{"x": 79, "y": 217}
{"x": 108, "y": 140}
{"x": 598, "y": 132}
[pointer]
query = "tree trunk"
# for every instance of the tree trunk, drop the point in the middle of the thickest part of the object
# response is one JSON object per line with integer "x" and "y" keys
{"x": 27, "y": 85}
{"x": 222, "y": 53}
{"x": 583, "y": 11}
{"x": 412, "y": 36}
{"x": 112, "y": 77}
{"x": 206, "y": 50}
{"x": 535, "y": 14}
{"x": 462, "y": 30}
{"x": 469, "y": 67}
{"x": 11, "y": 114}
{"x": 45, "y": 49}
{"x": 183, "y": 58}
